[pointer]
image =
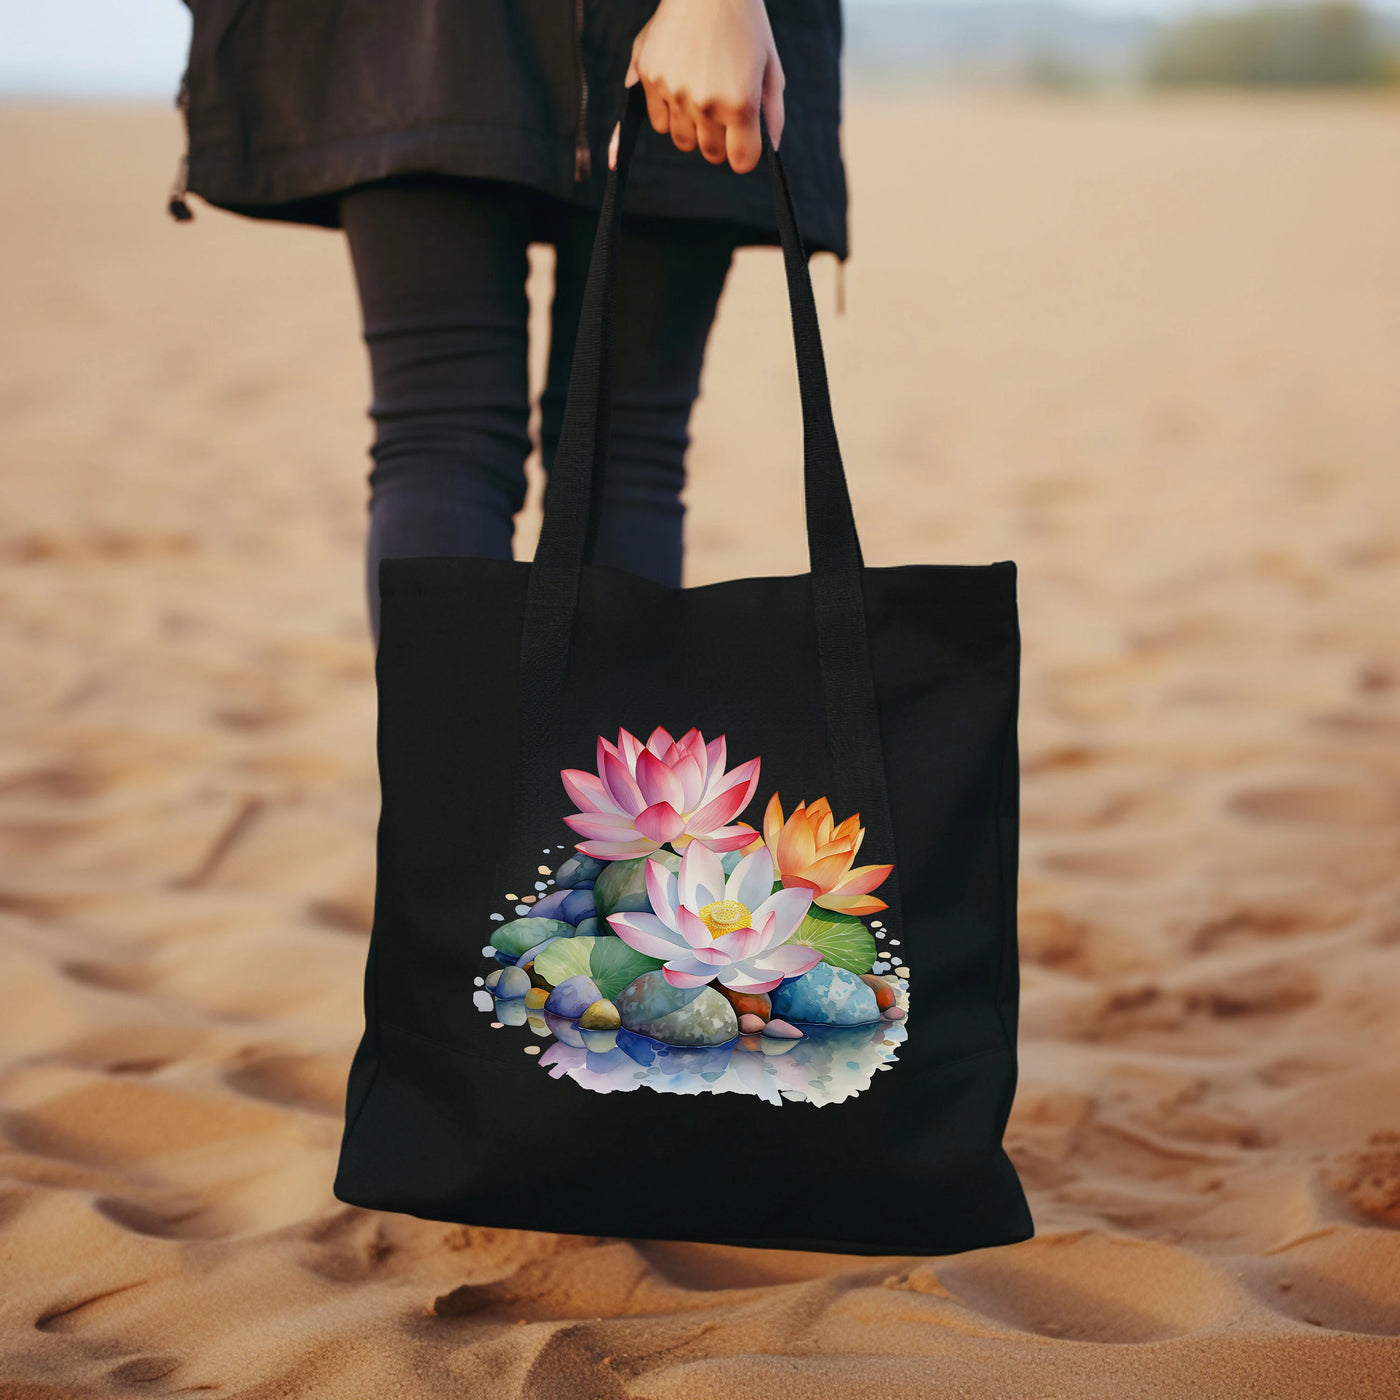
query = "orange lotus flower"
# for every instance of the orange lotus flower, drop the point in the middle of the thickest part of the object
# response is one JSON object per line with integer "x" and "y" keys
{"x": 809, "y": 850}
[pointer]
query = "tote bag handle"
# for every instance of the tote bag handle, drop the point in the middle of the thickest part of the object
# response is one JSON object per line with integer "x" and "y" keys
{"x": 573, "y": 502}
{"x": 573, "y": 505}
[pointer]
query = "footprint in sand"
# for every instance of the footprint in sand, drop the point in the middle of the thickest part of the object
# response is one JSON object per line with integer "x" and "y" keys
{"x": 1255, "y": 991}
{"x": 1066, "y": 802}
{"x": 1080, "y": 947}
{"x": 142, "y": 1049}
{"x": 127, "y": 1122}
{"x": 38, "y": 837}
{"x": 1093, "y": 1287}
{"x": 1053, "y": 938}
{"x": 1319, "y": 804}
{"x": 1370, "y": 1178}
{"x": 111, "y": 976}
{"x": 255, "y": 716}
{"x": 1143, "y": 1006}
{"x": 1345, "y": 1279}
{"x": 89, "y": 546}
{"x": 350, "y": 909}
{"x": 350, "y": 1245}
{"x": 1249, "y": 924}
{"x": 1364, "y": 726}
{"x": 40, "y": 907}
{"x": 72, "y": 1317}
{"x": 167, "y": 1218}
{"x": 142, "y": 1370}
{"x": 707, "y": 1267}
{"x": 1044, "y": 1133}
{"x": 72, "y": 780}
{"x": 315, "y": 1082}
{"x": 1119, "y": 862}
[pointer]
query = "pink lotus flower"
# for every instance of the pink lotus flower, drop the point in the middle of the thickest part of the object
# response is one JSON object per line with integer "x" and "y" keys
{"x": 644, "y": 795}
{"x": 706, "y": 928}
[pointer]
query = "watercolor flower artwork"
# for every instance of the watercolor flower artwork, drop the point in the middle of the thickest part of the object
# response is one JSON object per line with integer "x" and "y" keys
{"x": 682, "y": 950}
{"x": 666, "y": 790}
{"x": 712, "y": 927}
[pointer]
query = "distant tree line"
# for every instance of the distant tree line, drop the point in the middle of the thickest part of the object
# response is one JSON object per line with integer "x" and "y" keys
{"x": 1331, "y": 43}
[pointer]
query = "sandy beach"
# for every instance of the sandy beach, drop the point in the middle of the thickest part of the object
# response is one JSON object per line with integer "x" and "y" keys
{"x": 1148, "y": 350}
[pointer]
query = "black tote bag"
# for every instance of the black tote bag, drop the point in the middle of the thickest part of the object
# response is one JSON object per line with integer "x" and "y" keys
{"x": 695, "y": 914}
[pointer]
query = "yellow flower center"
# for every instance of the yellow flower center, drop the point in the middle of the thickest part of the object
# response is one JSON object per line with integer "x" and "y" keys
{"x": 724, "y": 916}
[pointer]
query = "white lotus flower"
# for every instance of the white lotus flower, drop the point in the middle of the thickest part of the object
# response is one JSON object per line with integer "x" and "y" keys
{"x": 707, "y": 928}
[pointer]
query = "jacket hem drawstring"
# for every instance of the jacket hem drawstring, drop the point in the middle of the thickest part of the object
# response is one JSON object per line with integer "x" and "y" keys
{"x": 176, "y": 203}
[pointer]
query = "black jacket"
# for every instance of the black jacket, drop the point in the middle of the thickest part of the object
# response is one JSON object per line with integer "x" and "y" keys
{"x": 289, "y": 102}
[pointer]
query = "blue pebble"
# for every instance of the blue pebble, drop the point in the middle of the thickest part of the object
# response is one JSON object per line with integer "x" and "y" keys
{"x": 826, "y": 996}
{"x": 577, "y": 905}
{"x": 576, "y": 870}
{"x": 573, "y": 996}
{"x": 550, "y": 907}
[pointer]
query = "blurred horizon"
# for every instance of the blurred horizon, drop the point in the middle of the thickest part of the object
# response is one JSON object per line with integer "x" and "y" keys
{"x": 104, "y": 50}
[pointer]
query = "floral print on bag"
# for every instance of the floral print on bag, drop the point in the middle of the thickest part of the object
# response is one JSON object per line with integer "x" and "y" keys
{"x": 683, "y": 950}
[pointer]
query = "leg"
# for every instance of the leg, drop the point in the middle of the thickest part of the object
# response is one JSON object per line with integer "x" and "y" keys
{"x": 441, "y": 267}
{"x": 672, "y": 276}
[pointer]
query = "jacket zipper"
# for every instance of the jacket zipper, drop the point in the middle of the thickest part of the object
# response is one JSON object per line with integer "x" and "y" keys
{"x": 176, "y": 202}
{"x": 583, "y": 158}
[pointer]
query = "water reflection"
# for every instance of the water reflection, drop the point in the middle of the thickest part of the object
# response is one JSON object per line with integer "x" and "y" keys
{"x": 828, "y": 1065}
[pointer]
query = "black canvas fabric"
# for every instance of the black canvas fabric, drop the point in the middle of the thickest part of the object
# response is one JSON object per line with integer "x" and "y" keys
{"x": 892, "y": 692}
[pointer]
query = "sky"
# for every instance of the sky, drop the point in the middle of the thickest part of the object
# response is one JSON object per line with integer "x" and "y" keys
{"x": 92, "y": 48}
{"x": 136, "y": 48}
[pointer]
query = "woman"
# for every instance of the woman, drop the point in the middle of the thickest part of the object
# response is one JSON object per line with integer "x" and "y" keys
{"x": 445, "y": 136}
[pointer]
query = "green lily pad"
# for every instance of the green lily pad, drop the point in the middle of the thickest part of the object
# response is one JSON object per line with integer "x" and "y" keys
{"x": 614, "y": 965}
{"x": 564, "y": 958}
{"x": 622, "y": 885}
{"x": 520, "y": 935}
{"x": 841, "y": 939}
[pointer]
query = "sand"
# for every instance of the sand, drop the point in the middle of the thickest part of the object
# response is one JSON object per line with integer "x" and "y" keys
{"x": 1149, "y": 351}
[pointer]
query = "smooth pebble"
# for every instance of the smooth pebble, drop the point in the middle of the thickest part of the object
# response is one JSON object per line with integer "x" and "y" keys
{"x": 576, "y": 870}
{"x": 570, "y": 998}
{"x": 884, "y": 993}
{"x": 828, "y": 996}
{"x": 512, "y": 982}
{"x": 696, "y": 1016}
{"x": 779, "y": 1029}
{"x": 600, "y": 1015}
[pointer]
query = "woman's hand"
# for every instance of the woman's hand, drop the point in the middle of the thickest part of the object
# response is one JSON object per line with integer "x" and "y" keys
{"x": 709, "y": 67}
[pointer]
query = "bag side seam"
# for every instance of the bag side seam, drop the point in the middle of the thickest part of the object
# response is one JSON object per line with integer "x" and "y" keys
{"x": 1007, "y": 934}
{"x": 378, "y": 1051}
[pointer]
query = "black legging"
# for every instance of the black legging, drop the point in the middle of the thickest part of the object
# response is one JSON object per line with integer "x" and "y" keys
{"x": 441, "y": 267}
